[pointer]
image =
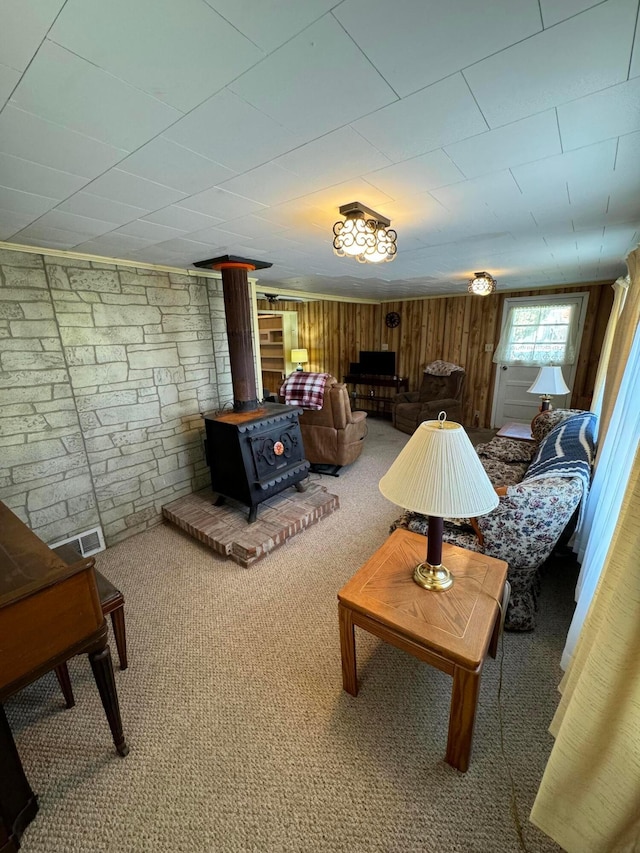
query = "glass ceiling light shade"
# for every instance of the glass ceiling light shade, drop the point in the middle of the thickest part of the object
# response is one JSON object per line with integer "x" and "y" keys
{"x": 439, "y": 474}
{"x": 482, "y": 284}
{"x": 549, "y": 381}
{"x": 364, "y": 235}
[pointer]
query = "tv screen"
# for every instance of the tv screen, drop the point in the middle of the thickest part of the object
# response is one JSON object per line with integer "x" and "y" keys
{"x": 374, "y": 363}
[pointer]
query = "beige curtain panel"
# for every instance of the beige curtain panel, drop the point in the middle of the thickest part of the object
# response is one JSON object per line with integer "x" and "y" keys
{"x": 589, "y": 798}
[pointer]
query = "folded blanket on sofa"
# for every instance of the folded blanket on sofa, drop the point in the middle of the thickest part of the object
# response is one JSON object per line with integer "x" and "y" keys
{"x": 567, "y": 451}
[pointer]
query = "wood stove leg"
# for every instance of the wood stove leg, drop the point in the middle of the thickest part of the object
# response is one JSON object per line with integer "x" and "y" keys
{"x": 253, "y": 513}
{"x": 300, "y": 487}
{"x": 102, "y": 667}
{"x": 219, "y": 501}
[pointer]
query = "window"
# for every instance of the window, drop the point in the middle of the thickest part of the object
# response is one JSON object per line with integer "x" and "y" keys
{"x": 539, "y": 334}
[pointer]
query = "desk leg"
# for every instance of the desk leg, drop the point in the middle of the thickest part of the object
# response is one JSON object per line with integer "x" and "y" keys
{"x": 18, "y": 803}
{"x": 348, "y": 650}
{"x": 464, "y": 701}
{"x": 102, "y": 667}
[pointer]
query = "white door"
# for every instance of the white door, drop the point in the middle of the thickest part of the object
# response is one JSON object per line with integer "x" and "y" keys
{"x": 511, "y": 401}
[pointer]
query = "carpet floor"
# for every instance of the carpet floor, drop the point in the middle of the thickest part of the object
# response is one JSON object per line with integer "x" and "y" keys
{"x": 241, "y": 736}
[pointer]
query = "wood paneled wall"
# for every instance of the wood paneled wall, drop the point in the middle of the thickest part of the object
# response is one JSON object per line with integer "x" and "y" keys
{"x": 453, "y": 328}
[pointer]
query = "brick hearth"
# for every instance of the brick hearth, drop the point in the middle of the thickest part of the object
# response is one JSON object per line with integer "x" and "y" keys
{"x": 225, "y": 529}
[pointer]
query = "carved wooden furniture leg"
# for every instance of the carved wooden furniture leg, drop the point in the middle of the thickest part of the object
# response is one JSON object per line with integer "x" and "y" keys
{"x": 120, "y": 635}
{"x": 62, "y": 674}
{"x": 102, "y": 667}
{"x": 18, "y": 803}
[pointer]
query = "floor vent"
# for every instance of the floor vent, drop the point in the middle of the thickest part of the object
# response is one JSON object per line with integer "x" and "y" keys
{"x": 86, "y": 544}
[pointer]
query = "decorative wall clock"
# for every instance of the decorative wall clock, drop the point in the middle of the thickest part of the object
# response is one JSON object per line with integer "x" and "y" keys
{"x": 392, "y": 319}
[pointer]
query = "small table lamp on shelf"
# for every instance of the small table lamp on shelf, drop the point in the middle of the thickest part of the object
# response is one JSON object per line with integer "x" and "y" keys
{"x": 438, "y": 474}
{"x": 301, "y": 356}
{"x": 549, "y": 381}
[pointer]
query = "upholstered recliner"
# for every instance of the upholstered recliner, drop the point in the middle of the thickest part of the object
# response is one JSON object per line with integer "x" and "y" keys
{"x": 441, "y": 390}
{"x": 333, "y": 435}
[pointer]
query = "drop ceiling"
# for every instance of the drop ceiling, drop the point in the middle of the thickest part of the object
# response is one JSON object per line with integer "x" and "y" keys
{"x": 500, "y": 136}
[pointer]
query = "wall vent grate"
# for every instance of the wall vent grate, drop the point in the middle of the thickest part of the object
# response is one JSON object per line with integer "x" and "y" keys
{"x": 86, "y": 544}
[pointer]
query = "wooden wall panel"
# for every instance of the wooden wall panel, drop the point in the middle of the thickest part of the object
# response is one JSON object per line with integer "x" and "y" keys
{"x": 452, "y": 328}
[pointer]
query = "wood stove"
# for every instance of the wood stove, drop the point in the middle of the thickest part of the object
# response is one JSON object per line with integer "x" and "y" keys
{"x": 255, "y": 455}
{"x": 255, "y": 451}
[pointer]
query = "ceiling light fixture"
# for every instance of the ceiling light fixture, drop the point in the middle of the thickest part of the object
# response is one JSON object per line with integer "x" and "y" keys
{"x": 482, "y": 284}
{"x": 364, "y": 235}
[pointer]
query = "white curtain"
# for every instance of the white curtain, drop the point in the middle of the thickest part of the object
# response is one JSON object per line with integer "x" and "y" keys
{"x": 620, "y": 287}
{"x": 539, "y": 335}
{"x": 615, "y": 458}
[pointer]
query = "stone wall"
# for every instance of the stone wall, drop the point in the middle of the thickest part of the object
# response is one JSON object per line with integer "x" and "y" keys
{"x": 104, "y": 371}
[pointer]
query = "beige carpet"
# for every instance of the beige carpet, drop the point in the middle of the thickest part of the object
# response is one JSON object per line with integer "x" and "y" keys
{"x": 241, "y": 736}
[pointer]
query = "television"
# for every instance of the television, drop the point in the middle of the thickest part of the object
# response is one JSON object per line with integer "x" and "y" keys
{"x": 373, "y": 363}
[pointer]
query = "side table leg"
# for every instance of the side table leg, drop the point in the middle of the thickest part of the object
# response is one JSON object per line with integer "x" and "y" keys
{"x": 464, "y": 701}
{"x": 62, "y": 674}
{"x": 120, "y": 634}
{"x": 102, "y": 667}
{"x": 348, "y": 650}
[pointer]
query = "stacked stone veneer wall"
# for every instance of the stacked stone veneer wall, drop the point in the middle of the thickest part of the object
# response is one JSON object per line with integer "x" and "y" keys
{"x": 104, "y": 371}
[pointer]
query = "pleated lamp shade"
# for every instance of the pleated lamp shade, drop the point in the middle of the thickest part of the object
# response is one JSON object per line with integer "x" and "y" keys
{"x": 438, "y": 473}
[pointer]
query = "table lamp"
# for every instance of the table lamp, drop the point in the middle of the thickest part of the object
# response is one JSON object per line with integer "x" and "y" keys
{"x": 438, "y": 474}
{"x": 301, "y": 356}
{"x": 548, "y": 381}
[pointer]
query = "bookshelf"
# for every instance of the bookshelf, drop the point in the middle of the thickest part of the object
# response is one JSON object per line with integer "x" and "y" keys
{"x": 278, "y": 334}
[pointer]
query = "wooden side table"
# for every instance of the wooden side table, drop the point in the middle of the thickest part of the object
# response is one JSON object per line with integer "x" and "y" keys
{"x": 453, "y": 630}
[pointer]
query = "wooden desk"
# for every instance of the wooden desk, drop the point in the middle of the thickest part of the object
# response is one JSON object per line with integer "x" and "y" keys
{"x": 49, "y": 612}
{"x": 453, "y": 630}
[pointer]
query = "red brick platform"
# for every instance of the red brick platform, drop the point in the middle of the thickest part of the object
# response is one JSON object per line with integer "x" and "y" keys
{"x": 225, "y": 528}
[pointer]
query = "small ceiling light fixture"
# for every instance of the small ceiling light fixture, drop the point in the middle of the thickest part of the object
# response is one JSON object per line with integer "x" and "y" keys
{"x": 482, "y": 284}
{"x": 364, "y": 235}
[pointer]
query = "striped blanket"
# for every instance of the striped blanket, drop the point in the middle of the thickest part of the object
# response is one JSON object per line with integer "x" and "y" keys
{"x": 567, "y": 451}
{"x": 304, "y": 389}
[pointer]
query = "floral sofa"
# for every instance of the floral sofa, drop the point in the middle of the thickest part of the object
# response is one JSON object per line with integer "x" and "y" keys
{"x": 541, "y": 486}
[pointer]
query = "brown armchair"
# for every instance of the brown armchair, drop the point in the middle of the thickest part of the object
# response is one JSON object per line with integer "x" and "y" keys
{"x": 333, "y": 435}
{"x": 441, "y": 390}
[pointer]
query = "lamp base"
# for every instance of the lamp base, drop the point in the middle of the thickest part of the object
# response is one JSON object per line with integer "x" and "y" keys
{"x": 431, "y": 577}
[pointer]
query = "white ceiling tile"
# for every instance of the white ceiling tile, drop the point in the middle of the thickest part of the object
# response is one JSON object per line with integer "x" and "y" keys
{"x": 21, "y": 202}
{"x": 416, "y": 175}
{"x": 557, "y": 65}
{"x": 8, "y": 80}
{"x": 496, "y": 190}
{"x": 112, "y": 246}
{"x": 617, "y": 108}
{"x": 324, "y": 58}
{"x": 337, "y": 156}
{"x": 31, "y": 177}
{"x": 269, "y": 184}
{"x": 521, "y": 142}
{"x": 32, "y": 138}
{"x": 221, "y": 204}
{"x": 586, "y": 163}
{"x": 173, "y": 165}
{"x": 183, "y": 220}
{"x": 416, "y": 43}
{"x": 634, "y": 68}
{"x": 64, "y": 88}
{"x": 628, "y": 154}
{"x": 270, "y": 24}
{"x": 194, "y": 250}
{"x": 254, "y": 227}
{"x": 554, "y": 11}
{"x": 324, "y": 203}
{"x": 133, "y": 40}
{"x": 227, "y": 130}
{"x": 436, "y": 116}
{"x": 149, "y": 231}
{"x": 24, "y": 25}
{"x": 45, "y": 235}
{"x": 95, "y": 207}
{"x": 12, "y": 222}
{"x": 79, "y": 224}
{"x": 129, "y": 189}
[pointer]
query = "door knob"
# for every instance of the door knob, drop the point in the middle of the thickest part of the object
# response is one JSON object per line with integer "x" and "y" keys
{"x": 504, "y": 367}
